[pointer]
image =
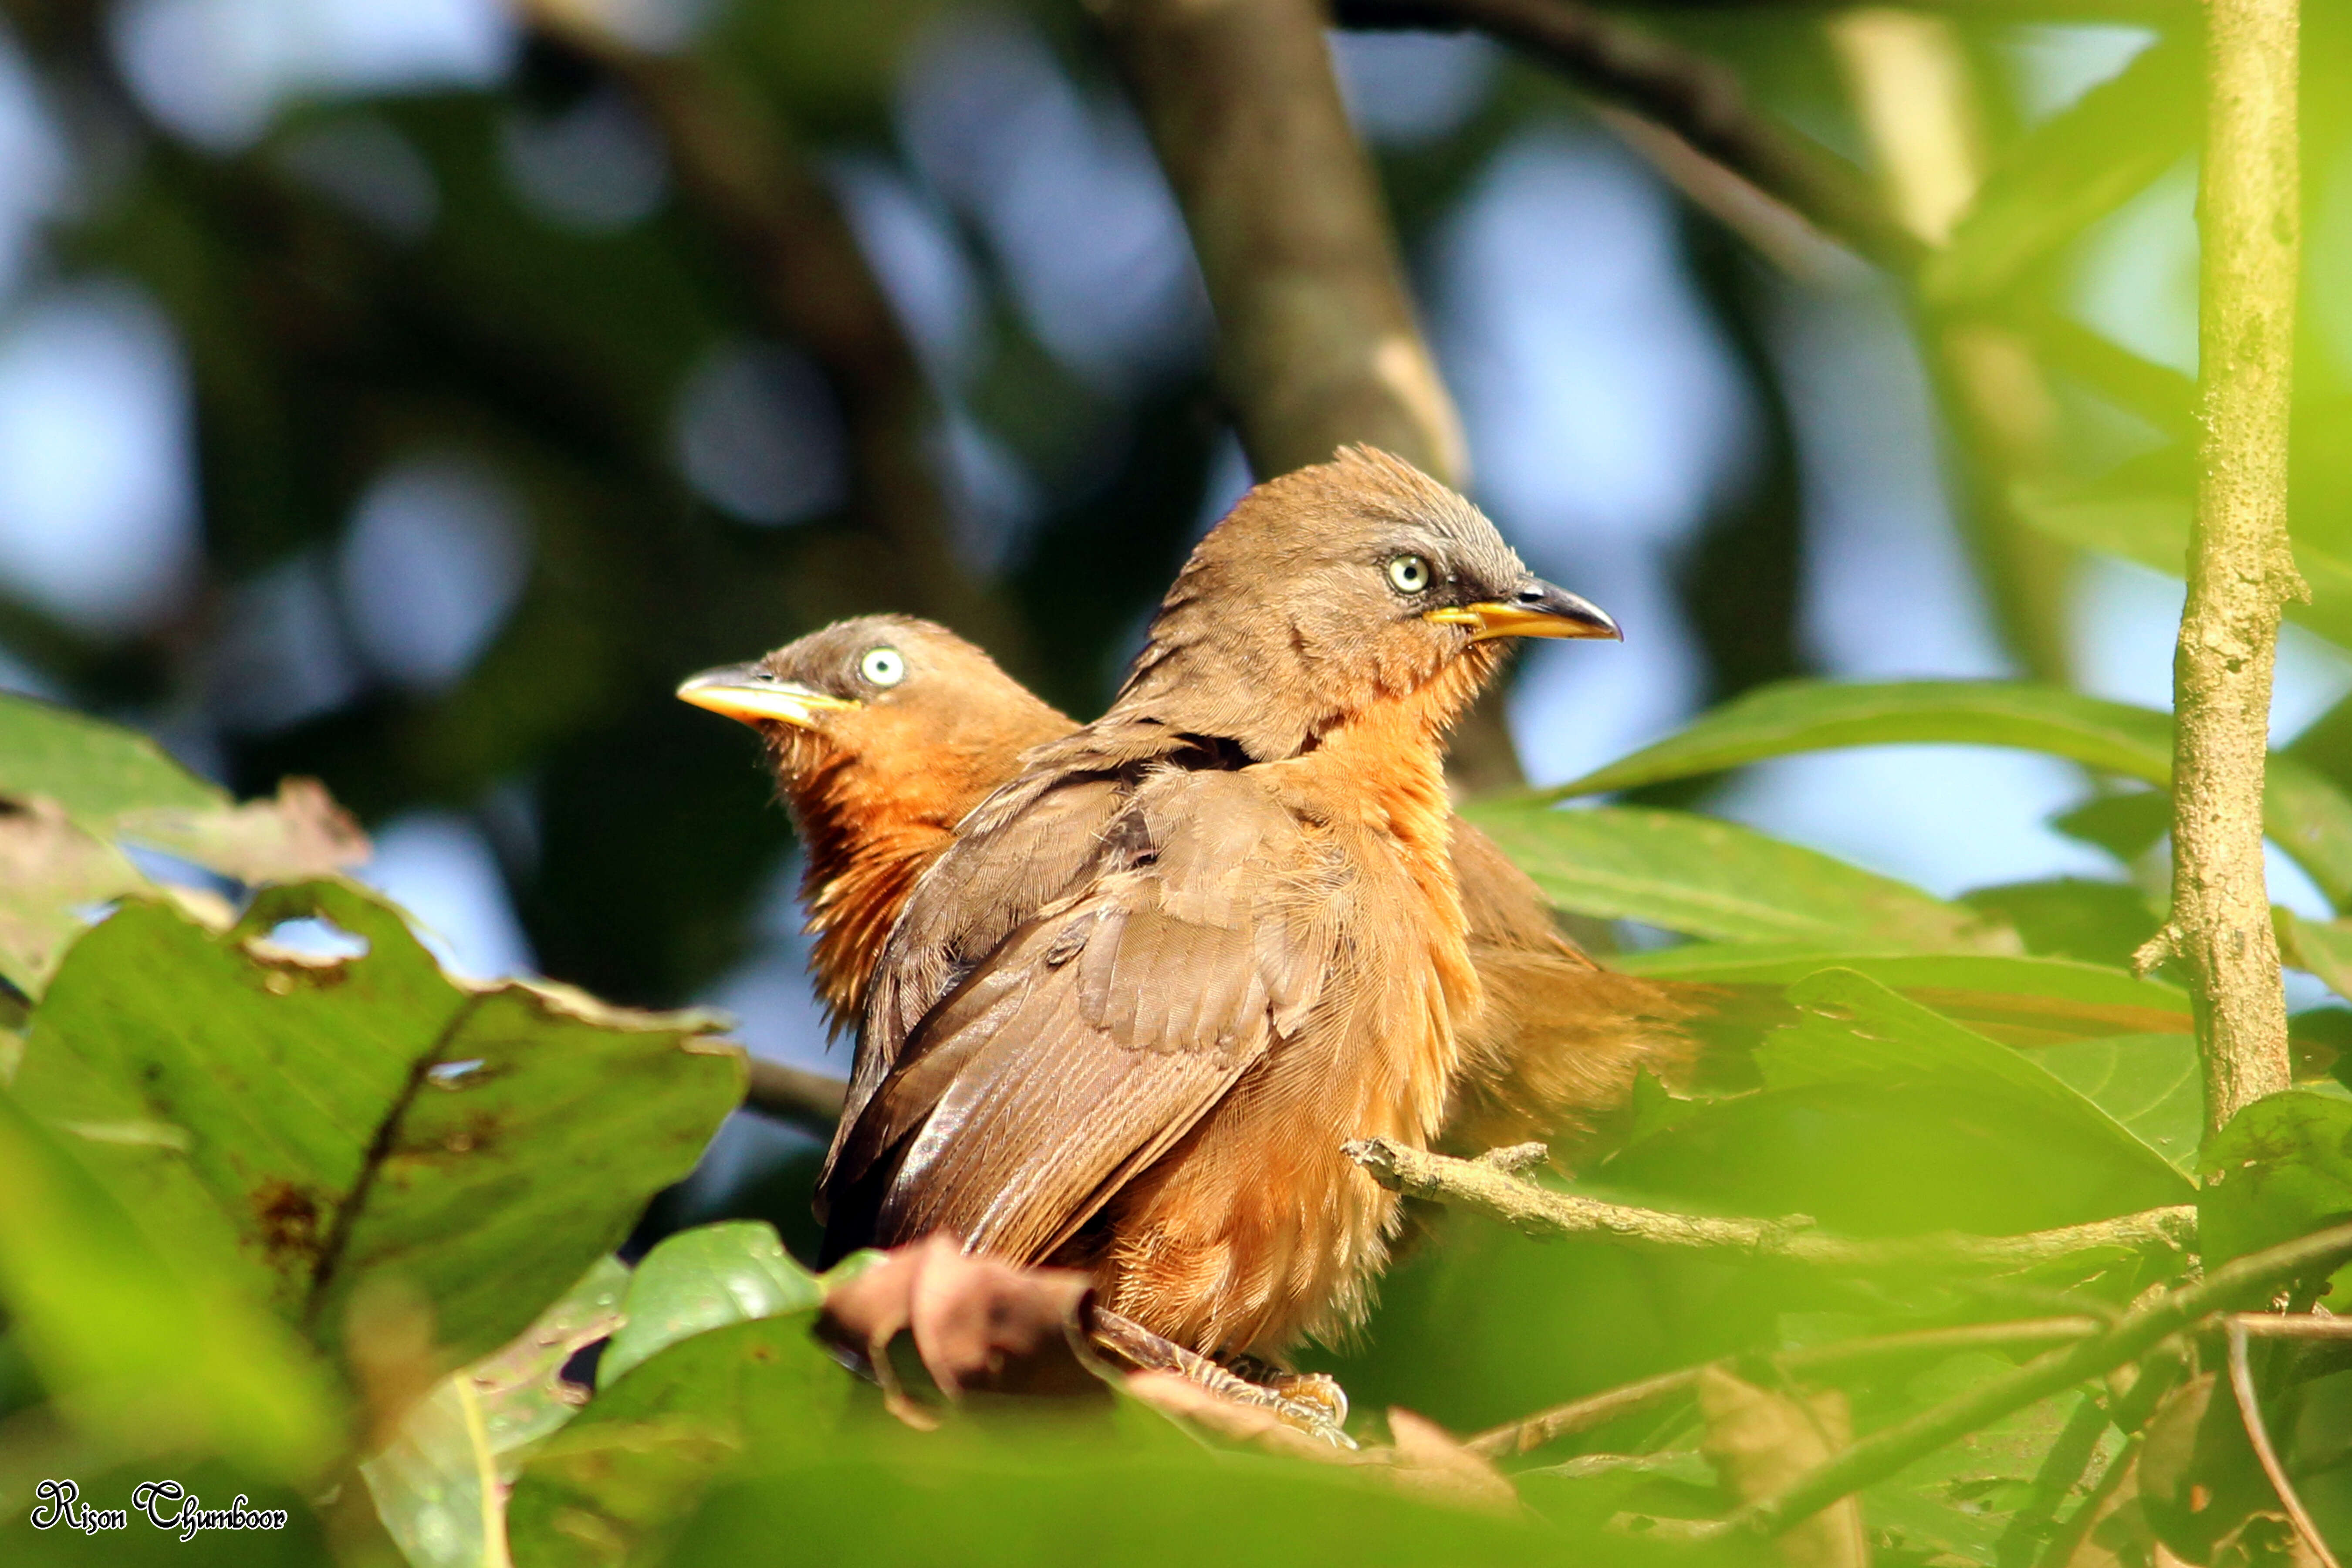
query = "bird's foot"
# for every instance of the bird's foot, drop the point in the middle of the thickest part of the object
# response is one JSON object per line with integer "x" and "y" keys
{"x": 1312, "y": 1402}
{"x": 1321, "y": 1390}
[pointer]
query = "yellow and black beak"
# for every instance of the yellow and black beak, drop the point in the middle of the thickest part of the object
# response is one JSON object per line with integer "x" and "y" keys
{"x": 1536, "y": 610}
{"x": 748, "y": 692}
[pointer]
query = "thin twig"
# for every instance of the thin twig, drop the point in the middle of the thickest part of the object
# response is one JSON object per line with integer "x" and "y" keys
{"x": 1532, "y": 1432}
{"x": 1884, "y": 1452}
{"x": 2294, "y": 1326}
{"x": 2062, "y": 1469}
{"x": 1541, "y": 1212}
{"x": 2060, "y": 1552}
{"x": 2250, "y": 1411}
{"x": 808, "y": 1100}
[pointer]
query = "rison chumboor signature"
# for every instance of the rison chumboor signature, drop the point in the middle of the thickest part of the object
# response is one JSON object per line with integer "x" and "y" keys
{"x": 167, "y": 1505}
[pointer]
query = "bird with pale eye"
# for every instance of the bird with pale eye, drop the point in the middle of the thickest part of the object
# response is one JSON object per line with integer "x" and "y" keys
{"x": 1127, "y": 1021}
{"x": 882, "y": 732}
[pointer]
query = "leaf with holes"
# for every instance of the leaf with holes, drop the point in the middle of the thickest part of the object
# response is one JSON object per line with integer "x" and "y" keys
{"x": 141, "y": 1351}
{"x": 330, "y": 1124}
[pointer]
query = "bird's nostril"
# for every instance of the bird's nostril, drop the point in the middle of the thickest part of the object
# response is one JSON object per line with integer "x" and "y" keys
{"x": 1531, "y": 596}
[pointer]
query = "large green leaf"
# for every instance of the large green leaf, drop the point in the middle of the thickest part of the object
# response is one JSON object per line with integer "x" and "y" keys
{"x": 332, "y": 1124}
{"x": 1854, "y": 1030}
{"x": 440, "y": 1484}
{"x": 612, "y": 1484}
{"x": 1796, "y": 716}
{"x": 2153, "y": 1084}
{"x": 1883, "y": 1116}
{"x": 2127, "y": 514}
{"x": 2303, "y": 812}
{"x": 2282, "y": 1168}
{"x": 702, "y": 1279}
{"x": 1016, "y": 1505}
{"x": 2071, "y": 171}
{"x": 2057, "y": 998}
{"x": 141, "y": 1352}
{"x": 1713, "y": 879}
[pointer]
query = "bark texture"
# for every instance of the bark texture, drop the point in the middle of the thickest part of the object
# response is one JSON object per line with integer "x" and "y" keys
{"x": 2240, "y": 567}
{"x": 1317, "y": 344}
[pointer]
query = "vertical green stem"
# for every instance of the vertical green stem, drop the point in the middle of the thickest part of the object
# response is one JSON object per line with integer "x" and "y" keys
{"x": 2240, "y": 565}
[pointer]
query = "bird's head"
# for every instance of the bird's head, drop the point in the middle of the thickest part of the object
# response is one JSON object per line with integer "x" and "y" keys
{"x": 882, "y": 714}
{"x": 1332, "y": 589}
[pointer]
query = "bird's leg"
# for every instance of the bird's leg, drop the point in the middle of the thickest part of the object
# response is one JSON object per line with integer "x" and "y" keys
{"x": 1311, "y": 1411}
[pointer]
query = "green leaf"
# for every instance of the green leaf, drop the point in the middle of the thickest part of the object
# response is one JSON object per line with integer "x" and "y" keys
{"x": 609, "y": 1485}
{"x": 2153, "y": 1084}
{"x": 2306, "y": 815}
{"x": 1014, "y": 1504}
{"x": 2071, "y": 171}
{"x": 702, "y": 1279}
{"x": 2022, "y": 1002}
{"x": 2323, "y": 948}
{"x": 1857, "y": 1031}
{"x": 141, "y": 1353}
{"x": 439, "y": 1485}
{"x": 1796, "y": 716}
{"x": 97, "y": 771}
{"x": 2280, "y": 1169}
{"x": 334, "y": 1124}
{"x": 1713, "y": 879}
{"x": 2135, "y": 514}
{"x": 2067, "y": 917}
{"x": 1962, "y": 1499}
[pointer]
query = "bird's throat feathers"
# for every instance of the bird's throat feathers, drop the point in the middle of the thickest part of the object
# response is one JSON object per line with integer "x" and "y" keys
{"x": 867, "y": 846}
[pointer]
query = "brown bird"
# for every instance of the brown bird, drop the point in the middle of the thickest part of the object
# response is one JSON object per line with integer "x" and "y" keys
{"x": 1127, "y": 1019}
{"x": 884, "y": 731}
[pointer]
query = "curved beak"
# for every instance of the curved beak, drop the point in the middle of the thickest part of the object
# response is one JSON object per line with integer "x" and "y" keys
{"x": 749, "y": 693}
{"x": 1537, "y": 610}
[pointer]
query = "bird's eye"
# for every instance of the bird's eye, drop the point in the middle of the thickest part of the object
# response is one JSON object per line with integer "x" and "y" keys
{"x": 882, "y": 667}
{"x": 1409, "y": 574}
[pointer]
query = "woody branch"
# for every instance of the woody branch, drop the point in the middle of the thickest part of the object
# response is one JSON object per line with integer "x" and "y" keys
{"x": 2241, "y": 567}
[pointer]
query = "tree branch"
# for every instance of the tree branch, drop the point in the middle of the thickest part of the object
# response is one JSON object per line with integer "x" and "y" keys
{"x": 1532, "y": 1432}
{"x": 2241, "y": 568}
{"x": 809, "y": 278}
{"x": 1699, "y": 100}
{"x": 1884, "y": 1452}
{"x": 1316, "y": 341}
{"x": 808, "y": 1100}
{"x": 1541, "y": 1212}
{"x": 2258, "y": 1433}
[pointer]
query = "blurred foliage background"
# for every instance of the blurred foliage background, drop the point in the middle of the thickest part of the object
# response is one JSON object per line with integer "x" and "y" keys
{"x": 409, "y": 394}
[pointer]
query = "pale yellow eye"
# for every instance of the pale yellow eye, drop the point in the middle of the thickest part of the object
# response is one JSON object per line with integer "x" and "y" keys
{"x": 882, "y": 667}
{"x": 1409, "y": 574}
